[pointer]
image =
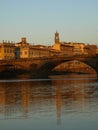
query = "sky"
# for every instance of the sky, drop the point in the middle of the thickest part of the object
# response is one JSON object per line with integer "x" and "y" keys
{"x": 38, "y": 20}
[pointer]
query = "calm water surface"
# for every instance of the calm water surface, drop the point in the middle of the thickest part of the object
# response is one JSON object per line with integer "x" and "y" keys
{"x": 59, "y": 103}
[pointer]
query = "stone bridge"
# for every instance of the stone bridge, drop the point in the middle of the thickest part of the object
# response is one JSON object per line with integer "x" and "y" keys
{"x": 43, "y": 65}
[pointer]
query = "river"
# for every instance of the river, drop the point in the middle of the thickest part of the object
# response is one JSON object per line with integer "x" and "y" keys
{"x": 64, "y": 102}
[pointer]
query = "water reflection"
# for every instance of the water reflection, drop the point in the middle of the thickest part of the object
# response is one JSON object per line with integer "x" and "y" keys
{"x": 58, "y": 96}
{"x": 74, "y": 94}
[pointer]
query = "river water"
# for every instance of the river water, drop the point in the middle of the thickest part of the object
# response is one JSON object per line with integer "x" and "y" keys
{"x": 67, "y": 102}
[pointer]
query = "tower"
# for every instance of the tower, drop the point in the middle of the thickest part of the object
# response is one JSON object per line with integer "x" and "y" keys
{"x": 56, "y": 40}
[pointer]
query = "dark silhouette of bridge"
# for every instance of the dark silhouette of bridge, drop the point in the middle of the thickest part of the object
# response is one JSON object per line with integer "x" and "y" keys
{"x": 43, "y": 65}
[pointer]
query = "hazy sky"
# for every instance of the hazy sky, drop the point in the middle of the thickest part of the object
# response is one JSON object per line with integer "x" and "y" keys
{"x": 38, "y": 20}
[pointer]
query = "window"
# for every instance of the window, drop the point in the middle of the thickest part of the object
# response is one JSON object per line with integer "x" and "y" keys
{"x": 5, "y": 50}
{"x": 25, "y": 52}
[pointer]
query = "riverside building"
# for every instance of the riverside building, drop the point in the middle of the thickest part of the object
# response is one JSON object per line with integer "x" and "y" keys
{"x": 63, "y": 47}
{"x": 26, "y": 50}
{"x": 23, "y": 49}
{"x": 69, "y": 48}
{"x": 7, "y": 50}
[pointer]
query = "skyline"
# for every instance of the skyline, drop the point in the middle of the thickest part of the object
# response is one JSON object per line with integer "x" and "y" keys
{"x": 38, "y": 20}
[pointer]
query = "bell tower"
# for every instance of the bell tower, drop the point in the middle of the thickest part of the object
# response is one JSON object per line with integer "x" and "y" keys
{"x": 56, "y": 40}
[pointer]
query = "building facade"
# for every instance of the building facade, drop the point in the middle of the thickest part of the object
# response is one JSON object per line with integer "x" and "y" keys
{"x": 23, "y": 49}
{"x": 73, "y": 48}
{"x": 7, "y": 50}
{"x": 78, "y": 48}
{"x": 63, "y": 47}
{"x": 26, "y": 50}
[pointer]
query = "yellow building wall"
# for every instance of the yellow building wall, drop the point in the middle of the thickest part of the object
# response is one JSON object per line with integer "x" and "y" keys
{"x": 7, "y": 51}
{"x": 56, "y": 46}
{"x": 24, "y": 52}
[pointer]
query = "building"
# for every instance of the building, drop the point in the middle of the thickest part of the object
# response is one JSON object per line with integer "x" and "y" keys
{"x": 69, "y": 48}
{"x": 26, "y": 50}
{"x": 63, "y": 47}
{"x": 96, "y": 51}
{"x": 78, "y": 48}
{"x": 23, "y": 49}
{"x": 7, "y": 50}
{"x": 90, "y": 50}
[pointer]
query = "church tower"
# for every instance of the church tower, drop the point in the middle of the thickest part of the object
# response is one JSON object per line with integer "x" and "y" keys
{"x": 56, "y": 40}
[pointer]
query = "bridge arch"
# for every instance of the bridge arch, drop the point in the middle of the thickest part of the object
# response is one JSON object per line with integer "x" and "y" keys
{"x": 74, "y": 66}
{"x": 48, "y": 65}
